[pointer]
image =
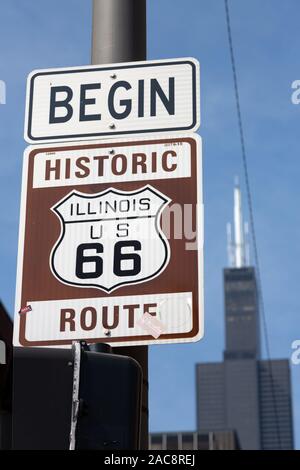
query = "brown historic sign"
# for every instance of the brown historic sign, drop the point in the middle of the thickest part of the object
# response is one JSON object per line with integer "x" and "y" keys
{"x": 107, "y": 246}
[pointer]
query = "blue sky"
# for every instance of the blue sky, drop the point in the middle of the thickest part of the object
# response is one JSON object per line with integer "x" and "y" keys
{"x": 266, "y": 36}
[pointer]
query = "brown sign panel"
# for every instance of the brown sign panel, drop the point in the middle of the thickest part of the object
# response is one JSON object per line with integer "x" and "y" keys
{"x": 107, "y": 246}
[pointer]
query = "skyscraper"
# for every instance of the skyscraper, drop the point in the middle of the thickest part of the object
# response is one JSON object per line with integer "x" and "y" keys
{"x": 243, "y": 392}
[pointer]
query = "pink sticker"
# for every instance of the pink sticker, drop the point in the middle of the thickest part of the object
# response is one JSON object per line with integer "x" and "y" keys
{"x": 26, "y": 309}
{"x": 152, "y": 325}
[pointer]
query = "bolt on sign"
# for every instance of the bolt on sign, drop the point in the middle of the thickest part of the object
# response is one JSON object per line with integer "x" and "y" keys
{"x": 108, "y": 250}
{"x": 116, "y": 99}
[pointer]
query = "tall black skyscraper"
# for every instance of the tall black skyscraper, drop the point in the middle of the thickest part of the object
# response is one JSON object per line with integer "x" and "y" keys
{"x": 245, "y": 393}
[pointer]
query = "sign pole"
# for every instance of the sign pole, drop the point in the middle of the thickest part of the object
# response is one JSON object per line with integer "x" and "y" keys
{"x": 119, "y": 35}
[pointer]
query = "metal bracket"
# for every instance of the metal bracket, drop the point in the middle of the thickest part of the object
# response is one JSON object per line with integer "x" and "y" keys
{"x": 76, "y": 348}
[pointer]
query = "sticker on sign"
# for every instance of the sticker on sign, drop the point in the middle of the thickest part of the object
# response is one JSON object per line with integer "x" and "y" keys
{"x": 111, "y": 235}
{"x": 78, "y": 103}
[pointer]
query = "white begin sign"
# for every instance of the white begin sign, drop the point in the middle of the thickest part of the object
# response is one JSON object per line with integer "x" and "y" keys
{"x": 127, "y": 98}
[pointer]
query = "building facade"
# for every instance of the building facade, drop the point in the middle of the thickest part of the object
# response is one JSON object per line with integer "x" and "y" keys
{"x": 204, "y": 440}
{"x": 276, "y": 422}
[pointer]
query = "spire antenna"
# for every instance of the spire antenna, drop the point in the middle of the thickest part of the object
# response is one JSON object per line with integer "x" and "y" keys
{"x": 237, "y": 248}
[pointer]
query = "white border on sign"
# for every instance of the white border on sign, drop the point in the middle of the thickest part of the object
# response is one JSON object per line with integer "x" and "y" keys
{"x": 114, "y": 134}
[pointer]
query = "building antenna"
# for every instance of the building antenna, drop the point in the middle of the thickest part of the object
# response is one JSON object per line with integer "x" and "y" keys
{"x": 237, "y": 248}
{"x": 239, "y": 245}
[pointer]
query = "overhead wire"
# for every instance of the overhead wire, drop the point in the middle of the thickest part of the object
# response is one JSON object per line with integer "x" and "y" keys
{"x": 251, "y": 216}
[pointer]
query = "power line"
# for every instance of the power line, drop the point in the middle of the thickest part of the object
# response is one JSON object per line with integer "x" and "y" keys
{"x": 251, "y": 214}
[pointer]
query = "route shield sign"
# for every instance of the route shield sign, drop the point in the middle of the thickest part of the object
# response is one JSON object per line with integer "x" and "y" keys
{"x": 110, "y": 243}
{"x": 116, "y": 234}
{"x": 79, "y": 103}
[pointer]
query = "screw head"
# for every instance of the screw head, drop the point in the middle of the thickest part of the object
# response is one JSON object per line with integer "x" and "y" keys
{"x": 112, "y": 126}
{"x": 113, "y": 75}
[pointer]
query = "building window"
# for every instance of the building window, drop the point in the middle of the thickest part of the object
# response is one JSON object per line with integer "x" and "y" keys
{"x": 156, "y": 442}
{"x": 172, "y": 442}
{"x": 187, "y": 442}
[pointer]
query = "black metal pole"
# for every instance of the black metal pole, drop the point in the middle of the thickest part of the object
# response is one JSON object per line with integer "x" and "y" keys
{"x": 119, "y": 35}
{"x": 119, "y": 31}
